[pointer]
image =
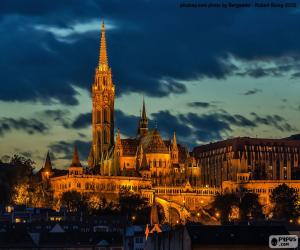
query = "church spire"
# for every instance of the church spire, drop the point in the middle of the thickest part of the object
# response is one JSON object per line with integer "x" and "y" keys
{"x": 174, "y": 141}
{"x": 144, "y": 116}
{"x": 46, "y": 171}
{"x": 103, "y": 61}
{"x": 48, "y": 164}
{"x": 143, "y": 123}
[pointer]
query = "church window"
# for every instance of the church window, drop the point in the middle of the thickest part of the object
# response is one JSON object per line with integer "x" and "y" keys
{"x": 98, "y": 116}
{"x": 105, "y": 115}
{"x": 105, "y": 137}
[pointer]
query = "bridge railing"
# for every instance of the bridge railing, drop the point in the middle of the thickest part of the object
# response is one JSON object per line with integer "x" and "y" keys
{"x": 171, "y": 190}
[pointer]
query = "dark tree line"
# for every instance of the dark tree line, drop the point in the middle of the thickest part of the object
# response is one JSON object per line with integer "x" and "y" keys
{"x": 284, "y": 205}
{"x": 132, "y": 206}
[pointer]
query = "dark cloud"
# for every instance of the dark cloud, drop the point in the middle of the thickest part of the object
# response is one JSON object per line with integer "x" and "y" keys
{"x": 30, "y": 126}
{"x": 295, "y": 75}
{"x": 66, "y": 149}
{"x": 200, "y": 105}
{"x": 82, "y": 121}
{"x": 55, "y": 115}
{"x": 128, "y": 124}
{"x": 168, "y": 123}
{"x": 149, "y": 55}
{"x": 252, "y": 92}
{"x": 193, "y": 127}
{"x": 275, "y": 121}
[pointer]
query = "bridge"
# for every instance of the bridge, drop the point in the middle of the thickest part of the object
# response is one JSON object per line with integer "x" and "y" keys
{"x": 181, "y": 203}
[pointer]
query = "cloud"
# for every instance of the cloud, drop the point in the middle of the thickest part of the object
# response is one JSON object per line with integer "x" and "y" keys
{"x": 55, "y": 115}
{"x": 128, "y": 124}
{"x": 30, "y": 126}
{"x": 192, "y": 128}
{"x": 168, "y": 123}
{"x": 252, "y": 91}
{"x": 147, "y": 55}
{"x": 274, "y": 121}
{"x": 66, "y": 149}
{"x": 82, "y": 121}
{"x": 200, "y": 105}
{"x": 295, "y": 75}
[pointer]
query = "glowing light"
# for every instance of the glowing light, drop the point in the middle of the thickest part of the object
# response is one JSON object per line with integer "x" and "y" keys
{"x": 291, "y": 221}
{"x": 201, "y": 201}
{"x": 217, "y": 214}
{"x": 133, "y": 217}
{"x": 198, "y": 214}
{"x": 177, "y": 221}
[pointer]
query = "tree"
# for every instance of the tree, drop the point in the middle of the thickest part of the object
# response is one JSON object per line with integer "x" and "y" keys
{"x": 224, "y": 203}
{"x": 250, "y": 207}
{"x": 133, "y": 206}
{"x": 74, "y": 201}
{"x": 15, "y": 173}
{"x": 284, "y": 200}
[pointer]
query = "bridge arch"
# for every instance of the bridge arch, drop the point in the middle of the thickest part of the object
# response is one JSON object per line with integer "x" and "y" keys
{"x": 174, "y": 213}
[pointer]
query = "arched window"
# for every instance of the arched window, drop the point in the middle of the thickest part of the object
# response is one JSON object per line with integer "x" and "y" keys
{"x": 105, "y": 137}
{"x": 105, "y": 115}
{"x": 98, "y": 116}
{"x": 99, "y": 137}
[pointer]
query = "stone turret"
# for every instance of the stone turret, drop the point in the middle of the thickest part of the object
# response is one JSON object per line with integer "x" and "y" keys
{"x": 47, "y": 170}
{"x": 75, "y": 168}
{"x": 174, "y": 150}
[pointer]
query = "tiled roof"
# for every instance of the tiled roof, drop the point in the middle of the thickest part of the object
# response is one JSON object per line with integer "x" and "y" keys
{"x": 129, "y": 146}
{"x": 153, "y": 143}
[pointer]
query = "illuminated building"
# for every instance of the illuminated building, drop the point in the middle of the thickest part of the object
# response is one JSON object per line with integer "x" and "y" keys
{"x": 264, "y": 159}
{"x": 183, "y": 182}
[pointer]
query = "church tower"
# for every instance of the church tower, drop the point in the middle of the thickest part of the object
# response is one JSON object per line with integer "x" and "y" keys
{"x": 143, "y": 123}
{"x": 103, "y": 97}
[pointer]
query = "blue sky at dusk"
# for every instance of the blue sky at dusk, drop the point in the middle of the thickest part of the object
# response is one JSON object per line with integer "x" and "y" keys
{"x": 208, "y": 74}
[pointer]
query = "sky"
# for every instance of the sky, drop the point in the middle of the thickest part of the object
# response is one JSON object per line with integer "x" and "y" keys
{"x": 208, "y": 74}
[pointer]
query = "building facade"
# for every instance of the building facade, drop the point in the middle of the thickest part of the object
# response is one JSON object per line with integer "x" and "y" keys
{"x": 264, "y": 159}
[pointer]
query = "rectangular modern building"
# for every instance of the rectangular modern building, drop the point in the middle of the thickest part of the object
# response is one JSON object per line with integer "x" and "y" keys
{"x": 264, "y": 159}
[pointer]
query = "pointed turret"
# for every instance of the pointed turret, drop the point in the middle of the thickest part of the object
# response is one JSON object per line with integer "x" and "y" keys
{"x": 118, "y": 137}
{"x": 75, "y": 167}
{"x": 144, "y": 116}
{"x": 103, "y": 61}
{"x": 75, "y": 159}
{"x": 48, "y": 164}
{"x": 174, "y": 141}
{"x": 47, "y": 171}
{"x": 143, "y": 123}
{"x": 174, "y": 150}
